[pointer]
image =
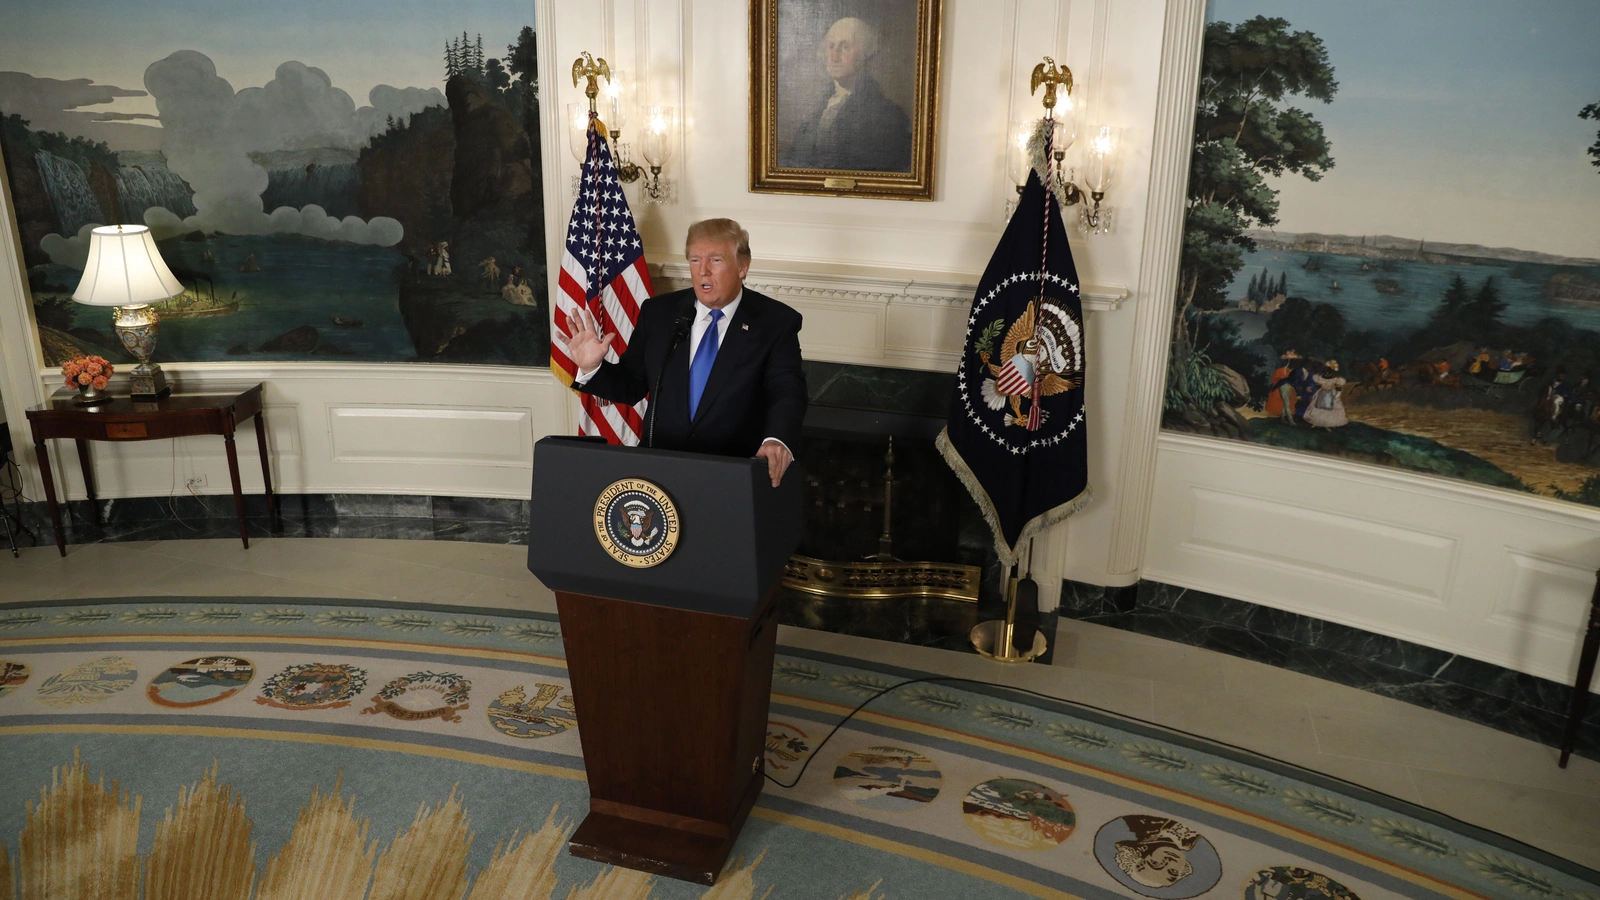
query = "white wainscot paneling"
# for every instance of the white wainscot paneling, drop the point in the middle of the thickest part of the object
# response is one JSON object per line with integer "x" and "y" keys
{"x": 1273, "y": 533}
{"x": 350, "y": 428}
{"x": 430, "y": 434}
{"x": 1545, "y": 595}
{"x": 1488, "y": 574}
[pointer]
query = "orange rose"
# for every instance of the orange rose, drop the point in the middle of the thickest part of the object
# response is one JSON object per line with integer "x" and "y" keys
{"x": 83, "y": 378}
{"x": 100, "y": 383}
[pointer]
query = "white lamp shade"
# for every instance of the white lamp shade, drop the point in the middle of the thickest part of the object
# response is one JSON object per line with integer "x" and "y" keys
{"x": 125, "y": 269}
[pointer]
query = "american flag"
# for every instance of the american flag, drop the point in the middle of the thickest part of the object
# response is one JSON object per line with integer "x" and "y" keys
{"x": 603, "y": 271}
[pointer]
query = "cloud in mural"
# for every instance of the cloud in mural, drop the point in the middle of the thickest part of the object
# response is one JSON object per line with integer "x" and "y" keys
{"x": 51, "y": 104}
{"x": 211, "y": 131}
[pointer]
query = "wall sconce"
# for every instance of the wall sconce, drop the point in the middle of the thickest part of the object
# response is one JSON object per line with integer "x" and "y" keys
{"x": 655, "y": 142}
{"x": 1099, "y": 166}
{"x": 617, "y": 96}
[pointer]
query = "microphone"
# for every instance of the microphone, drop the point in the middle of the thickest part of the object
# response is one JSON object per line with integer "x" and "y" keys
{"x": 680, "y": 330}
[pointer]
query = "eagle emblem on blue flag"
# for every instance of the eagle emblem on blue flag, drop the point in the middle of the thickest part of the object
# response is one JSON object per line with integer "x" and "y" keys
{"x": 1015, "y": 435}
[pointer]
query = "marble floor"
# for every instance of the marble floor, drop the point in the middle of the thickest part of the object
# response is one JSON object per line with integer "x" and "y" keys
{"x": 1476, "y": 774}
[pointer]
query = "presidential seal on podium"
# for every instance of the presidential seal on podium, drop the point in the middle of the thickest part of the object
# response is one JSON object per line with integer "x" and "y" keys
{"x": 636, "y": 523}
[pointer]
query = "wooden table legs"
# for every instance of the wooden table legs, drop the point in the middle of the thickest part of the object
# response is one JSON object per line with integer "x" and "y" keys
{"x": 88, "y": 478}
{"x": 266, "y": 474}
{"x": 1580, "y": 689}
{"x": 50, "y": 494}
{"x": 238, "y": 492}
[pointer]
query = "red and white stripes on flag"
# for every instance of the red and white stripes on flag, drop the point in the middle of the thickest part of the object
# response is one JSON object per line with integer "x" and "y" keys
{"x": 603, "y": 272}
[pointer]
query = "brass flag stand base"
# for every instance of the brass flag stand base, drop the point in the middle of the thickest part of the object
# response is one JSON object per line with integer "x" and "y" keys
{"x": 992, "y": 639}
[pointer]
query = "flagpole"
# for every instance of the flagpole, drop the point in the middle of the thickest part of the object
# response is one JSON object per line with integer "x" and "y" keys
{"x": 995, "y": 639}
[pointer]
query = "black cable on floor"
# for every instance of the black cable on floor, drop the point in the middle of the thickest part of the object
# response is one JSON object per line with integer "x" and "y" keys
{"x": 950, "y": 678}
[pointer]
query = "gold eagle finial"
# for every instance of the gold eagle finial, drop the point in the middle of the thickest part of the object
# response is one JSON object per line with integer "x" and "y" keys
{"x": 588, "y": 67}
{"x": 1050, "y": 75}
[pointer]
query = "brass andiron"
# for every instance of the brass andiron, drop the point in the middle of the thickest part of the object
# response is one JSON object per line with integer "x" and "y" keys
{"x": 883, "y": 575}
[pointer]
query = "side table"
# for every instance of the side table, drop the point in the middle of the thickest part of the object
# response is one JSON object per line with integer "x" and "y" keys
{"x": 215, "y": 410}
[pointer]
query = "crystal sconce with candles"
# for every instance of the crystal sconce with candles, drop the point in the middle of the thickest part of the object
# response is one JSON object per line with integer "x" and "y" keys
{"x": 617, "y": 96}
{"x": 1041, "y": 145}
{"x": 610, "y": 105}
{"x": 655, "y": 143}
{"x": 1099, "y": 165}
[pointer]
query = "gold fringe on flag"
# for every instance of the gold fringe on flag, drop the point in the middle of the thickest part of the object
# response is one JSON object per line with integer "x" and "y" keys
{"x": 327, "y": 857}
{"x": 528, "y": 871}
{"x": 80, "y": 842}
{"x": 203, "y": 847}
{"x": 428, "y": 861}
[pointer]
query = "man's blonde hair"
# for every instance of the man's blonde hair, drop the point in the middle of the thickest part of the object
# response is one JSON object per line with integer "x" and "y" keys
{"x": 721, "y": 231}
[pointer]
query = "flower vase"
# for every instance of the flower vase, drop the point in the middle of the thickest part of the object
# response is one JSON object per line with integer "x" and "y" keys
{"x": 88, "y": 395}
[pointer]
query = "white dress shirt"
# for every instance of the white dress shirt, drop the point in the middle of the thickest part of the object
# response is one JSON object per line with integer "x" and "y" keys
{"x": 702, "y": 321}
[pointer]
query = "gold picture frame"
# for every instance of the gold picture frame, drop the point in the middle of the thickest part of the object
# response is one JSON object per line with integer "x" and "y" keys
{"x": 844, "y": 97}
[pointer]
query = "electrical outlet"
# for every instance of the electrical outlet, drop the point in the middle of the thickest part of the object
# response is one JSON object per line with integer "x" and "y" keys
{"x": 199, "y": 481}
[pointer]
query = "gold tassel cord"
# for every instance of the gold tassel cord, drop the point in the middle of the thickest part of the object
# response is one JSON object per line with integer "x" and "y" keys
{"x": 327, "y": 857}
{"x": 429, "y": 860}
{"x": 527, "y": 871}
{"x": 202, "y": 848}
{"x": 80, "y": 842}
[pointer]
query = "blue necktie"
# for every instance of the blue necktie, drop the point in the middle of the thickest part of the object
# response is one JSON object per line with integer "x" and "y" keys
{"x": 704, "y": 357}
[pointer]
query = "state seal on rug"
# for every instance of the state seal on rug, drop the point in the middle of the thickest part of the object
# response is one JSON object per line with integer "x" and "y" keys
{"x": 887, "y": 779}
{"x": 1157, "y": 857}
{"x": 313, "y": 686}
{"x": 1294, "y": 883}
{"x": 521, "y": 716}
{"x": 1014, "y": 812}
{"x": 423, "y": 695}
{"x": 197, "y": 682}
{"x": 88, "y": 682}
{"x": 13, "y": 675}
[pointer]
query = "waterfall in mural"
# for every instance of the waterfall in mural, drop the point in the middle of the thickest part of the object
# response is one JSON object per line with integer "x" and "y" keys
{"x": 143, "y": 181}
{"x": 70, "y": 196}
{"x": 332, "y": 187}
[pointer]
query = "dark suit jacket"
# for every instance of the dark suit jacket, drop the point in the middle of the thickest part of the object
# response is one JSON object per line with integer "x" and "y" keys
{"x": 756, "y": 390}
{"x": 869, "y": 133}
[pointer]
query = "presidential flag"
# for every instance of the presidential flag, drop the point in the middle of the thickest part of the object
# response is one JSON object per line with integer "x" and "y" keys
{"x": 603, "y": 272}
{"x": 1015, "y": 434}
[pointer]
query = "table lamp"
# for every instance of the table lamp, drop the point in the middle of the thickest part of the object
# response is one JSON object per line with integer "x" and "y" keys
{"x": 126, "y": 271}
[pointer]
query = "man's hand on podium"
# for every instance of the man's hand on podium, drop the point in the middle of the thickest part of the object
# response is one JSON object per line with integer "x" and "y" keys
{"x": 586, "y": 348}
{"x": 778, "y": 459}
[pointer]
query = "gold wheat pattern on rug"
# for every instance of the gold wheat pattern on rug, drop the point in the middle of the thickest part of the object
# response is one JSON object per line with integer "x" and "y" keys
{"x": 529, "y": 869}
{"x": 327, "y": 857}
{"x": 202, "y": 848}
{"x": 80, "y": 842}
{"x": 429, "y": 860}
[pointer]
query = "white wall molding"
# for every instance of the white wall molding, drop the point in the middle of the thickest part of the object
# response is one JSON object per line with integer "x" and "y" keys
{"x": 1171, "y": 148}
{"x": 1490, "y": 574}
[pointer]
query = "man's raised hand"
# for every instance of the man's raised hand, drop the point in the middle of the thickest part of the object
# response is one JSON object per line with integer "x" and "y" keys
{"x": 585, "y": 347}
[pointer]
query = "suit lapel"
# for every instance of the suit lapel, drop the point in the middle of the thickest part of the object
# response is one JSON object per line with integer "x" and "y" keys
{"x": 731, "y": 352}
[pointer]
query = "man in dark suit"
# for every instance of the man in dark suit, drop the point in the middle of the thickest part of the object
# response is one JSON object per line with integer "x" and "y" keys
{"x": 856, "y": 127}
{"x": 728, "y": 359}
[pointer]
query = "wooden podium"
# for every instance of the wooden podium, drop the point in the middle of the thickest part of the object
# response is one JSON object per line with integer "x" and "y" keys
{"x": 671, "y": 663}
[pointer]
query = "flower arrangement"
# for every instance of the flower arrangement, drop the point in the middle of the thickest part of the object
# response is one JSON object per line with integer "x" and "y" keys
{"x": 87, "y": 371}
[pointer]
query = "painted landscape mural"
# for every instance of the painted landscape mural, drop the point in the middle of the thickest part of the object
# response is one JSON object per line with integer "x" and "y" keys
{"x": 305, "y": 225}
{"x": 1392, "y": 246}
